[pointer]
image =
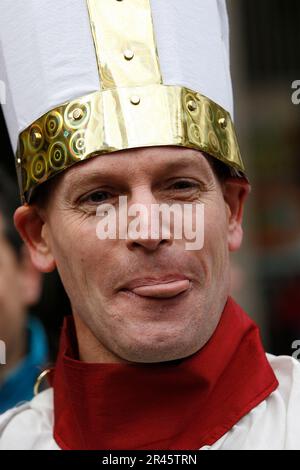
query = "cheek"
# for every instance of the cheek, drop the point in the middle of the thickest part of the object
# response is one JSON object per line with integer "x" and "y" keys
{"x": 215, "y": 237}
{"x": 80, "y": 256}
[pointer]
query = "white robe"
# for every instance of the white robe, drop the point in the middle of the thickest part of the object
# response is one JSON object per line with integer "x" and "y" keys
{"x": 273, "y": 424}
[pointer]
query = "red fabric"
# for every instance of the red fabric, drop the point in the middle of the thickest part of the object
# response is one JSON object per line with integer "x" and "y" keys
{"x": 182, "y": 404}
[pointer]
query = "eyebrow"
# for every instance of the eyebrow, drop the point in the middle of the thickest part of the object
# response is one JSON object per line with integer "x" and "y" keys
{"x": 86, "y": 177}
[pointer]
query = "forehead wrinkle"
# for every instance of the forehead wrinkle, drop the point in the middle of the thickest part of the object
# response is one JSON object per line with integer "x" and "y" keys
{"x": 113, "y": 169}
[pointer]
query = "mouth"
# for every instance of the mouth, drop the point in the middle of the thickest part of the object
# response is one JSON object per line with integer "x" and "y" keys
{"x": 163, "y": 288}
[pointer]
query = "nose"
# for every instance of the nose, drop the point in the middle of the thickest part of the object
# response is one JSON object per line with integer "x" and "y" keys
{"x": 144, "y": 228}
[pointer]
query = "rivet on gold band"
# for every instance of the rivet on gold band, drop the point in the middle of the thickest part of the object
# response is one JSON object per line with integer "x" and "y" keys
{"x": 192, "y": 105}
{"x": 135, "y": 99}
{"x": 128, "y": 54}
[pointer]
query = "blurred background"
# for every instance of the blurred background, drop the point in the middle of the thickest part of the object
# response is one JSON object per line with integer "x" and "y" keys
{"x": 265, "y": 53}
{"x": 265, "y": 38}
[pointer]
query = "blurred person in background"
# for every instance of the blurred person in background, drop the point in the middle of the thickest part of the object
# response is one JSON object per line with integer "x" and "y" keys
{"x": 20, "y": 287}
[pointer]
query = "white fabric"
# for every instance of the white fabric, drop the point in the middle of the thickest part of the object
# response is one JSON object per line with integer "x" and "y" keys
{"x": 273, "y": 424}
{"x": 47, "y": 54}
{"x": 192, "y": 39}
{"x": 29, "y": 426}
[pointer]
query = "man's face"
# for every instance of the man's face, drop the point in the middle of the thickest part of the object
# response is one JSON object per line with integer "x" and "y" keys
{"x": 148, "y": 324}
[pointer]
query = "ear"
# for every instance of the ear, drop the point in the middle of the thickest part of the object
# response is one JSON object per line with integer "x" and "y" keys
{"x": 33, "y": 230}
{"x": 235, "y": 191}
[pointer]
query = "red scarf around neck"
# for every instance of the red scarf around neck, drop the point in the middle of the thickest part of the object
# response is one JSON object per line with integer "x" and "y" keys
{"x": 182, "y": 404}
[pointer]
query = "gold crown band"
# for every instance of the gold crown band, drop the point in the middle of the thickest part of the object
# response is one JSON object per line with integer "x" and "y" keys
{"x": 123, "y": 118}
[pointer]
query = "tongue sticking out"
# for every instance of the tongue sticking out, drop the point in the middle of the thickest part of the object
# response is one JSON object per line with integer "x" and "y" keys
{"x": 162, "y": 290}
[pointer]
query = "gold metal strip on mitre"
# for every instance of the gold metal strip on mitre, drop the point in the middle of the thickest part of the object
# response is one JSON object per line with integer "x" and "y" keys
{"x": 123, "y": 118}
{"x": 124, "y": 43}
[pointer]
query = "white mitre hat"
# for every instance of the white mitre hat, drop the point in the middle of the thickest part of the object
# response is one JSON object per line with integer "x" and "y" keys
{"x": 85, "y": 77}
